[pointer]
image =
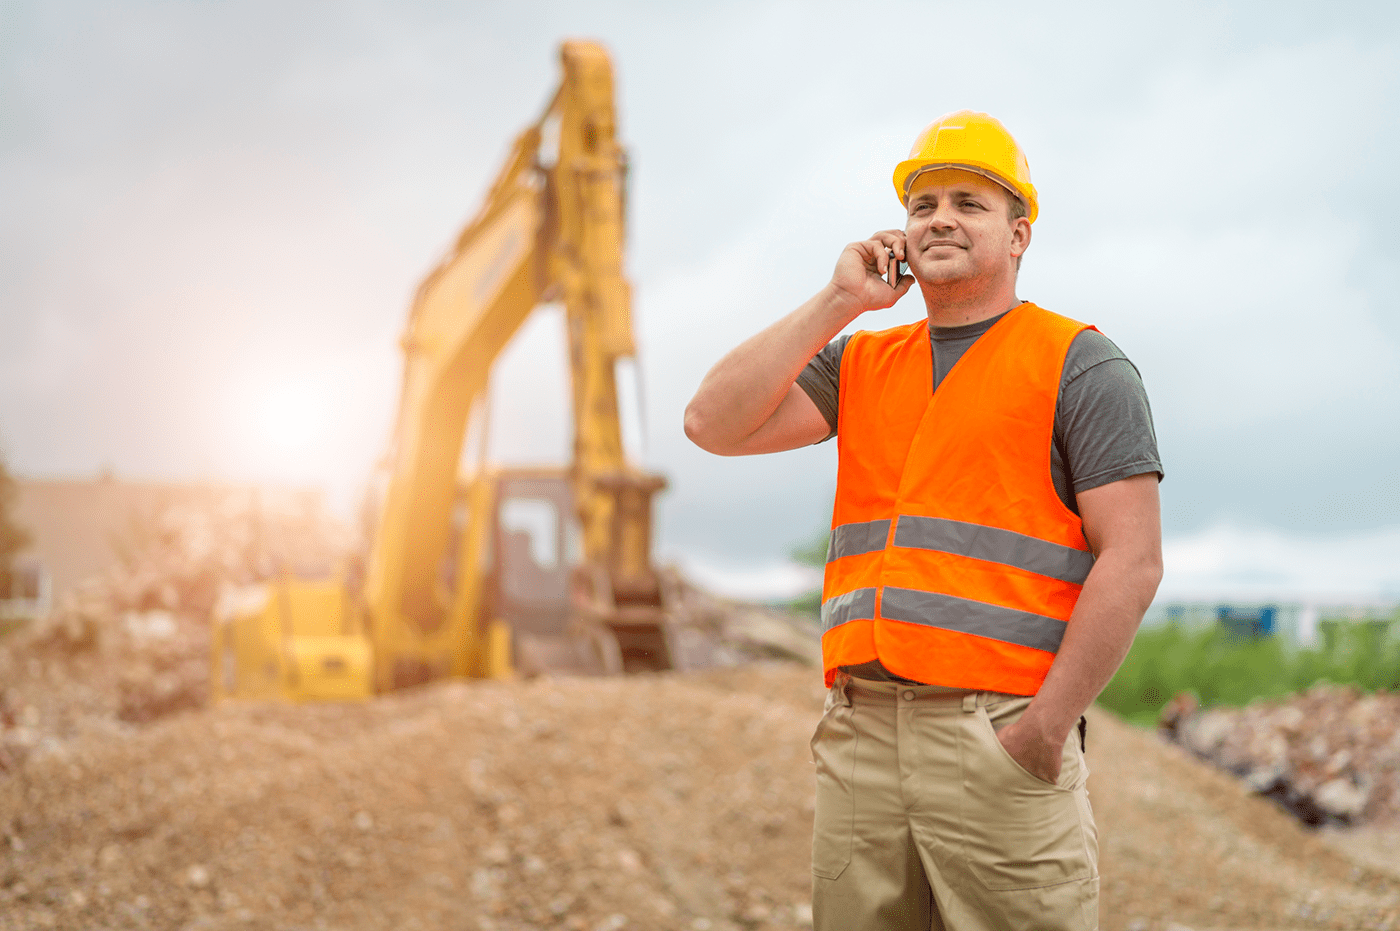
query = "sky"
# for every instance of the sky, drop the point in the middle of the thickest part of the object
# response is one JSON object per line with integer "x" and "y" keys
{"x": 213, "y": 216}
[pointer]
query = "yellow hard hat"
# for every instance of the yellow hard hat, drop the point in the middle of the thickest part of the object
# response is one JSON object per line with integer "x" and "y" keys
{"x": 972, "y": 142}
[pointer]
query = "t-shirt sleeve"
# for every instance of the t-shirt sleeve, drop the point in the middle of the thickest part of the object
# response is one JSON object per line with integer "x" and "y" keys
{"x": 821, "y": 379}
{"x": 1103, "y": 420}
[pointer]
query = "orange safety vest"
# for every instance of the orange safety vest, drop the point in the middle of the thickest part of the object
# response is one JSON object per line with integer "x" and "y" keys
{"x": 952, "y": 560}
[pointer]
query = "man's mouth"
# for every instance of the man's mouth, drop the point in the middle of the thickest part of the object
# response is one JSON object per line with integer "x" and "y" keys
{"x": 943, "y": 242}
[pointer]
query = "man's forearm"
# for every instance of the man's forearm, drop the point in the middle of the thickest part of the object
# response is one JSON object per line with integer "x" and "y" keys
{"x": 745, "y": 387}
{"x": 1115, "y": 596}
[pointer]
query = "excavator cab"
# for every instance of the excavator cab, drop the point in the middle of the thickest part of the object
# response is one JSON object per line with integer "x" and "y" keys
{"x": 560, "y": 616}
{"x": 535, "y": 544}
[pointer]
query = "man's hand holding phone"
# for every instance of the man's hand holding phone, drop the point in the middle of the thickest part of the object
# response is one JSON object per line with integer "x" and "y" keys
{"x": 871, "y": 274}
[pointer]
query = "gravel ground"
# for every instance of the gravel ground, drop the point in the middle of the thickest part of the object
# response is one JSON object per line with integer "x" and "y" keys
{"x": 675, "y": 801}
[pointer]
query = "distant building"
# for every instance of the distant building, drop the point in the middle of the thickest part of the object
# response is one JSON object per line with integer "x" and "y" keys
{"x": 1295, "y": 620}
{"x": 80, "y": 527}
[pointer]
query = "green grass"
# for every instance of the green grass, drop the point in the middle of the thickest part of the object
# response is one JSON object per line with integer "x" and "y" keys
{"x": 1221, "y": 668}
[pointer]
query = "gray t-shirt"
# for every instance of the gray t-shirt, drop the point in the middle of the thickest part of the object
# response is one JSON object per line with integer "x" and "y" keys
{"x": 1103, "y": 424}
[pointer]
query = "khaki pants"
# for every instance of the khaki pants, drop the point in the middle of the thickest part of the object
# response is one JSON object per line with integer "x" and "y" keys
{"x": 924, "y": 821}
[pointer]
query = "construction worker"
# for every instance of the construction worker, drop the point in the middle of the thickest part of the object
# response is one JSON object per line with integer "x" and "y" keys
{"x": 995, "y": 542}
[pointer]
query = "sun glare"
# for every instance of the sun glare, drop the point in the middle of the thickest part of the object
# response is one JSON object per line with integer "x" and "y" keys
{"x": 287, "y": 421}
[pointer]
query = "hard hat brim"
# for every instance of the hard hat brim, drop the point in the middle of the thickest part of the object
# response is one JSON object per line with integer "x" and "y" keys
{"x": 908, "y": 170}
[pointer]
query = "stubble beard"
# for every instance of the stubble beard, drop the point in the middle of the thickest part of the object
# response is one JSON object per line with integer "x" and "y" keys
{"x": 946, "y": 283}
{"x": 948, "y": 270}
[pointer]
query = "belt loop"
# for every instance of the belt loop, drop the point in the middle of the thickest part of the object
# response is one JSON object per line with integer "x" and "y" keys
{"x": 970, "y": 702}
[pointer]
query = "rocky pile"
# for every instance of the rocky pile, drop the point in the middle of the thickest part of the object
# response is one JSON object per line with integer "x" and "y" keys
{"x": 133, "y": 644}
{"x": 713, "y": 631}
{"x": 1330, "y": 755}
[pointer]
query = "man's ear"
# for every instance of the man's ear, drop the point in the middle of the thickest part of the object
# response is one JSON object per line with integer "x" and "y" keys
{"x": 1020, "y": 236}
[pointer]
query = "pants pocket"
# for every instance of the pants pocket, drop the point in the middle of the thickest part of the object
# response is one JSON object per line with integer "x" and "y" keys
{"x": 1020, "y": 831}
{"x": 833, "y": 826}
{"x": 995, "y": 716}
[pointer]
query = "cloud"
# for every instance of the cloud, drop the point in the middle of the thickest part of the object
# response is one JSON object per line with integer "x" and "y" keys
{"x": 1251, "y": 564}
{"x": 1231, "y": 330}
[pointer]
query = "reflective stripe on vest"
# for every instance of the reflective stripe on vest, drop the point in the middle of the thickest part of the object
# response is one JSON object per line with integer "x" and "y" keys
{"x": 993, "y": 545}
{"x": 853, "y": 606}
{"x": 854, "y": 539}
{"x": 973, "y": 617}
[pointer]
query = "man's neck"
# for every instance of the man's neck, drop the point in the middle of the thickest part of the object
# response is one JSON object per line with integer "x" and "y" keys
{"x": 958, "y": 303}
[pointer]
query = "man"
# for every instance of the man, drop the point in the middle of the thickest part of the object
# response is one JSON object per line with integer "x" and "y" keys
{"x": 995, "y": 542}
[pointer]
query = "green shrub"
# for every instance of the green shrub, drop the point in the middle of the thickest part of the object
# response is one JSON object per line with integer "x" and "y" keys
{"x": 1220, "y": 668}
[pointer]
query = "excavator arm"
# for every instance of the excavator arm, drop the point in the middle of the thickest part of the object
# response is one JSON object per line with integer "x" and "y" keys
{"x": 551, "y": 230}
{"x": 464, "y": 314}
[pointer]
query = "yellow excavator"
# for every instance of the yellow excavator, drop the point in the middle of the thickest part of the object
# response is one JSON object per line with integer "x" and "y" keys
{"x": 474, "y": 570}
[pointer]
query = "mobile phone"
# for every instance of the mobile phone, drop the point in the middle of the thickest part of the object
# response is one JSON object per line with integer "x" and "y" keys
{"x": 896, "y": 269}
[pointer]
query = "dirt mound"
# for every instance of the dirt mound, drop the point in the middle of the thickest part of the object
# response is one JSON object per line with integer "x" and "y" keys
{"x": 556, "y": 803}
{"x": 673, "y": 801}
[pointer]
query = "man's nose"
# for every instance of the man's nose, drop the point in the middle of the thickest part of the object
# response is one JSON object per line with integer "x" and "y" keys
{"x": 943, "y": 219}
